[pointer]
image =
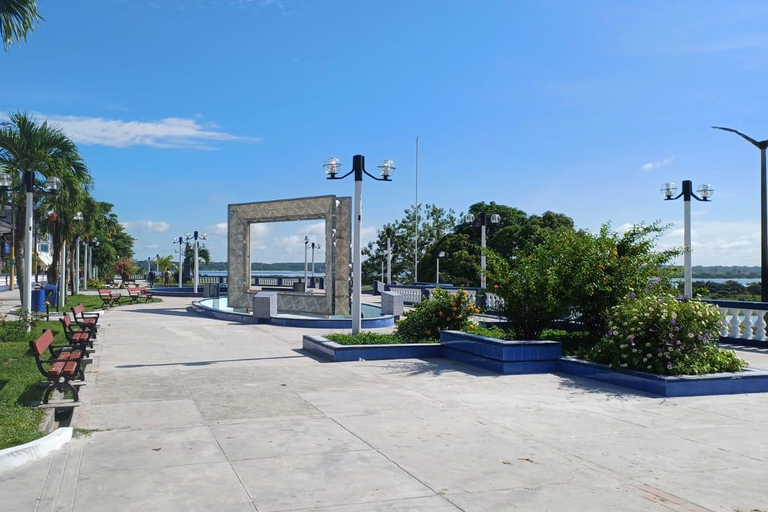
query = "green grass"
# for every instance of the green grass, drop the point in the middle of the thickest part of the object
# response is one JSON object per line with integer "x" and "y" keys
{"x": 19, "y": 378}
{"x": 93, "y": 302}
{"x": 372, "y": 338}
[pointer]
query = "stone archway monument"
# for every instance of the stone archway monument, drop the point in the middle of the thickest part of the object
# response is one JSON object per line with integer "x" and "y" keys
{"x": 336, "y": 213}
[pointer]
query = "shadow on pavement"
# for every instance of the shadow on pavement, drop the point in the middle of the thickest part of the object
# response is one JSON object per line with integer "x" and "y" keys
{"x": 205, "y": 363}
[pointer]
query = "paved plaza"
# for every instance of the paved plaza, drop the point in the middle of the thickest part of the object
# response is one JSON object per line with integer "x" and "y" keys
{"x": 186, "y": 413}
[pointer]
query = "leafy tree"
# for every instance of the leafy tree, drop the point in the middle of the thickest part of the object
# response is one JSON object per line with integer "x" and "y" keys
{"x": 165, "y": 263}
{"x": 578, "y": 273}
{"x": 434, "y": 223}
{"x": 189, "y": 258}
{"x": 27, "y": 145}
{"x": 124, "y": 267}
{"x": 17, "y": 19}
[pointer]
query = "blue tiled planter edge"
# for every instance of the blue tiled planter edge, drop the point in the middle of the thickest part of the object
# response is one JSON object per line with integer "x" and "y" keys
{"x": 747, "y": 381}
{"x": 338, "y": 353}
{"x": 467, "y": 348}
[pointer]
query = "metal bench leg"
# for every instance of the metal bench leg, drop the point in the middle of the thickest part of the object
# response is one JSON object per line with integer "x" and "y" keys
{"x": 48, "y": 391}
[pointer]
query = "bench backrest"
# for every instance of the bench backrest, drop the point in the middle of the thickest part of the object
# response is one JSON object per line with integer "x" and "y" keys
{"x": 65, "y": 321}
{"x": 104, "y": 291}
{"x": 78, "y": 310}
{"x": 133, "y": 290}
{"x": 42, "y": 343}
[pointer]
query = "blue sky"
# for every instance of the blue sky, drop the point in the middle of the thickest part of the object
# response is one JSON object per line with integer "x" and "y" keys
{"x": 181, "y": 107}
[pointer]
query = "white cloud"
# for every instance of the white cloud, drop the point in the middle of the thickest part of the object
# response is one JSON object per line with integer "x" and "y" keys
{"x": 172, "y": 132}
{"x": 146, "y": 226}
{"x": 259, "y": 230}
{"x": 661, "y": 163}
{"x": 718, "y": 242}
{"x": 624, "y": 228}
{"x": 219, "y": 229}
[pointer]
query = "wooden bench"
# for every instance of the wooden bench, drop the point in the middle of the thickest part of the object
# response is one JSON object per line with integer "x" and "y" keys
{"x": 60, "y": 365}
{"x": 80, "y": 338}
{"x": 109, "y": 298}
{"x": 139, "y": 293}
{"x": 85, "y": 320}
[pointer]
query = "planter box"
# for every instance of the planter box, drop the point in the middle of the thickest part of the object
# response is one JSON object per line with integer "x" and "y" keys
{"x": 747, "y": 381}
{"x": 338, "y": 353}
{"x": 501, "y": 356}
{"x": 525, "y": 357}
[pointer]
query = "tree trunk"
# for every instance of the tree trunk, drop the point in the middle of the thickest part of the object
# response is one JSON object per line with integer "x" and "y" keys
{"x": 19, "y": 243}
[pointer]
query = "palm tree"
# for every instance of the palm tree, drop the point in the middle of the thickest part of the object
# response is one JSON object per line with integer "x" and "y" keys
{"x": 17, "y": 18}
{"x": 26, "y": 145}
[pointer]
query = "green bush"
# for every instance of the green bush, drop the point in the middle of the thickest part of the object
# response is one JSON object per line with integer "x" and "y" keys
{"x": 575, "y": 343}
{"x": 95, "y": 284}
{"x": 491, "y": 331}
{"x": 14, "y": 331}
{"x": 372, "y": 338}
{"x": 444, "y": 311}
{"x": 577, "y": 273}
{"x": 657, "y": 333}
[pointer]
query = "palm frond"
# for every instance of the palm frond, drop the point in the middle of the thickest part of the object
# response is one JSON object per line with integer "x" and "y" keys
{"x": 17, "y": 19}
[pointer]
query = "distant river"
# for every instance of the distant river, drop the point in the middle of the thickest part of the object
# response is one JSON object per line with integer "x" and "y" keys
{"x": 742, "y": 282}
{"x": 284, "y": 273}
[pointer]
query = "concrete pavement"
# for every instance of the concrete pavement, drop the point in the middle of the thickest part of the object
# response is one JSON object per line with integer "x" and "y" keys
{"x": 187, "y": 413}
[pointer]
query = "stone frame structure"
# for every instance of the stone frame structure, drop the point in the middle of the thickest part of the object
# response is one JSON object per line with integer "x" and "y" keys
{"x": 336, "y": 211}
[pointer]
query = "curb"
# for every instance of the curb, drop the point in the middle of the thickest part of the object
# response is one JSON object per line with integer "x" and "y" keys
{"x": 34, "y": 450}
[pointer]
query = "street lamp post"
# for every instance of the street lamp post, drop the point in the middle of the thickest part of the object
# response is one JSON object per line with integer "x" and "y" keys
{"x": 312, "y": 277}
{"x": 29, "y": 185}
{"x": 306, "y": 246}
{"x": 179, "y": 241}
{"x": 483, "y": 218}
{"x": 196, "y": 240}
{"x": 389, "y": 255}
{"x": 94, "y": 269}
{"x": 76, "y": 278}
{"x": 762, "y": 146}
{"x": 85, "y": 264}
{"x": 706, "y": 191}
{"x": 441, "y": 254}
{"x": 332, "y": 166}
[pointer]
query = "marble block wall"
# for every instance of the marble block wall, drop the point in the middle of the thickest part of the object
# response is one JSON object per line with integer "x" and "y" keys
{"x": 338, "y": 227}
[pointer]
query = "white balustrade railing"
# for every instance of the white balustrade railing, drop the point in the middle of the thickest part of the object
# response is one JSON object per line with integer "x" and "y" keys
{"x": 493, "y": 302}
{"x": 410, "y": 295}
{"x": 742, "y": 320}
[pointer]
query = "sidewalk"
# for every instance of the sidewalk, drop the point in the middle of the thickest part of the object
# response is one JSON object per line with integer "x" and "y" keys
{"x": 188, "y": 413}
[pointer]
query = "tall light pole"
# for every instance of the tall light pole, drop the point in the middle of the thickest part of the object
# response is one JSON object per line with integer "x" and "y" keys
{"x": 306, "y": 246}
{"x": 416, "y": 221}
{"x": 314, "y": 246}
{"x": 389, "y": 255}
{"x": 76, "y": 278}
{"x": 495, "y": 219}
{"x": 441, "y": 254}
{"x": 94, "y": 269}
{"x": 706, "y": 191}
{"x": 85, "y": 264}
{"x": 179, "y": 241}
{"x": 29, "y": 186}
{"x": 332, "y": 166}
{"x": 195, "y": 238}
{"x": 762, "y": 146}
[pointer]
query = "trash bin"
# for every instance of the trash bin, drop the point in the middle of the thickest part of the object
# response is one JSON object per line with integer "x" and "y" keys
{"x": 38, "y": 300}
{"x": 51, "y": 295}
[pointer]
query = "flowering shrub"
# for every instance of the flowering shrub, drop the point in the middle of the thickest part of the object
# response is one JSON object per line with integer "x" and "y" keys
{"x": 659, "y": 333}
{"x": 445, "y": 310}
